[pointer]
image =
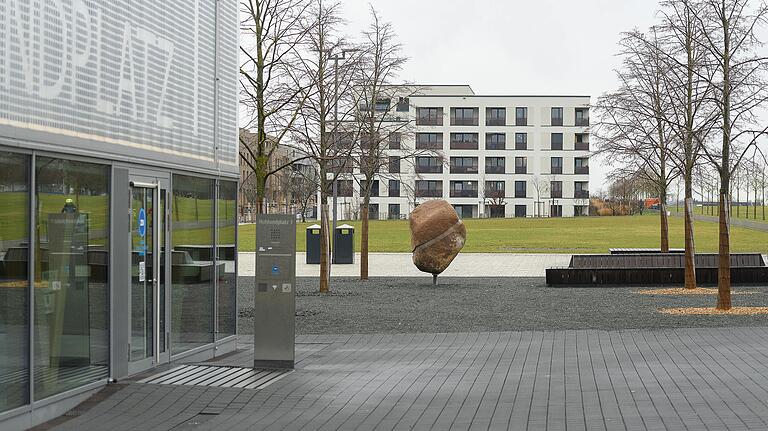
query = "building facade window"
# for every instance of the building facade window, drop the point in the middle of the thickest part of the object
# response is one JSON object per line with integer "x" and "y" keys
{"x": 521, "y": 189}
{"x": 345, "y": 188}
{"x": 382, "y": 105}
{"x": 581, "y": 189}
{"x": 463, "y": 165}
{"x": 394, "y": 188}
{"x": 582, "y": 142}
{"x": 464, "y": 116}
{"x": 495, "y": 165}
{"x": 373, "y": 211}
{"x": 192, "y": 297}
{"x": 521, "y": 141}
{"x": 495, "y": 141}
{"x": 582, "y": 117}
{"x": 71, "y": 320}
{"x": 521, "y": 210}
{"x": 556, "y": 165}
{"x": 521, "y": 116}
{"x": 580, "y": 210}
{"x": 394, "y": 140}
{"x": 394, "y": 165}
{"x": 429, "y": 165}
{"x": 555, "y": 210}
{"x": 463, "y": 141}
{"x": 581, "y": 165}
{"x": 374, "y": 188}
{"x": 495, "y": 116}
{"x": 429, "y": 188}
{"x": 494, "y": 189}
{"x": 429, "y": 116}
{"x": 393, "y": 211}
{"x": 226, "y": 255}
{"x": 429, "y": 141}
{"x": 463, "y": 189}
{"x": 521, "y": 165}
{"x": 557, "y": 117}
{"x": 556, "y": 189}
{"x": 14, "y": 274}
{"x": 556, "y": 141}
{"x": 465, "y": 211}
{"x": 403, "y": 105}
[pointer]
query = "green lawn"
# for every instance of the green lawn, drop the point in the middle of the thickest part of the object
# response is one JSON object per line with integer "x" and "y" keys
{"x": 553, "y": 235}
{"x": 736, "y": 212}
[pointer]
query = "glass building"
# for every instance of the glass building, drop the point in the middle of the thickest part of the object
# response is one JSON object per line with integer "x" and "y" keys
{"x": 118, "y": 194}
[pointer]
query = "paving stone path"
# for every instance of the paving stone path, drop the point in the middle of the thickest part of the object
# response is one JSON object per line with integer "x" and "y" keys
{"x": 673, "y": 379}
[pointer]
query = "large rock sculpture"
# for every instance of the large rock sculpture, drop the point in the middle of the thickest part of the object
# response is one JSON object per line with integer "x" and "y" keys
{"x": 437, "y": 236}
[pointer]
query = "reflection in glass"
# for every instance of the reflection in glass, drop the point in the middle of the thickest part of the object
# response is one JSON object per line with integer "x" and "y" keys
{"x": 71, "y": 268}
{"x": 142, "y": 298}
{"x": 192, "y": 267}
{"x": 226, "y": 254}
{"x": 14, "y": 280}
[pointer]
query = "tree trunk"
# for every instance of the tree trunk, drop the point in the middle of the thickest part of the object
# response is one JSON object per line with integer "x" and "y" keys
{"x": 724, "y": 266}
{"x": 690, "y": 249}
{"x": 324, "y": 248}
{"x": 364, "y": 239}
{"x": 664, "y": 228}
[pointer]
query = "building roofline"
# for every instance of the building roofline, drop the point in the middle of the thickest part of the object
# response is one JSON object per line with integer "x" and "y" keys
{"x": 501, "y": 95}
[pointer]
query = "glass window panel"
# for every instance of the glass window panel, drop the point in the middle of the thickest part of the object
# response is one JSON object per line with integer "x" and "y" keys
{"x": 227, "y": 256}
{"x": 14, "y": 280}
{"x": 192, "y": 266}
{"x": 71, "y": 268}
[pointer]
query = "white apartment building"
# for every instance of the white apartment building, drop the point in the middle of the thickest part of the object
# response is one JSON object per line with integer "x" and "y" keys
{"x": 488, "y": 155}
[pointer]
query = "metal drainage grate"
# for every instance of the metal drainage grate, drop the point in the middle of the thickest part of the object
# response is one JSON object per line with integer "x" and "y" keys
{"x": 217, "y": 376}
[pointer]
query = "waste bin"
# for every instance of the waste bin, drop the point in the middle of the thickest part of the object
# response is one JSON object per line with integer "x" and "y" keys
{"x": 344, "y": 244}
{"x": 313, "y": 244}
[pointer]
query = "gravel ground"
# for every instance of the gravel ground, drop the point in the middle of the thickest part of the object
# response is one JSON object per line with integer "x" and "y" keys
{"x": 398, "y": 305}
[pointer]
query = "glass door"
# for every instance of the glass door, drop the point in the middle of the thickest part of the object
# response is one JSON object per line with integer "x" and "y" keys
{"x": 148, "y": 305}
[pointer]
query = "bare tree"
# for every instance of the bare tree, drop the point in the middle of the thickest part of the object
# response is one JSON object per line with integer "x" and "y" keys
{"x": 303, "y": 187}
{"x": 325, "y": 126}
{"x": 382, "y": 116}
{"x": 729, "y": 36}
{"x": 541, "y": 186}
{"x": 688, "y": 93}
{"x": 272, "y": 32}
{"x": 633, "y": 130}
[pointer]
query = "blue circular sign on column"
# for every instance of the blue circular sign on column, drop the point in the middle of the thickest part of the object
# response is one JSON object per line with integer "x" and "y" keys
{"x": 142, "y": 222}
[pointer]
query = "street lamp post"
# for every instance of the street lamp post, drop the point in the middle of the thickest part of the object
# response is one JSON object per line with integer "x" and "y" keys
{"x": 336, "y": 59}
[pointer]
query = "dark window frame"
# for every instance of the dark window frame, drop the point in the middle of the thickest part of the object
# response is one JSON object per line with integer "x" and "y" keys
{"x": 521, "y": 121}
{"x": 521, "y": 145}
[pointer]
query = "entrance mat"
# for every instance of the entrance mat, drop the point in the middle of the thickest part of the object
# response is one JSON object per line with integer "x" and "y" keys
{"x": 217, "y": 376}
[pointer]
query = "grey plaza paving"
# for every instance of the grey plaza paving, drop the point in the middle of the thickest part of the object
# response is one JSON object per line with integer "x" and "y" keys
{"x": 675, "y": 379}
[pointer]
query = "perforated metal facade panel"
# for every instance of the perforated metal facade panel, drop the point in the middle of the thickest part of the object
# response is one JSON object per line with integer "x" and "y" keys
{"x": 148, "y": 77}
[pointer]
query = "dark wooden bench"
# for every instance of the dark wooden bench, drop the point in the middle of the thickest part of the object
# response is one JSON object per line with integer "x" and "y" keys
{"x": 642, "y": 250}
{"x": 643, "y": 269}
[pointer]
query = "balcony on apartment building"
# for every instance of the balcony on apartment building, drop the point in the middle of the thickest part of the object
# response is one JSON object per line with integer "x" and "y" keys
{"x": 429, "y": 189}
{"x": 582, "y": 117}
{"x": 494, "y": 190}
{"x": 582, "y": 142}
{"x": 495, "y": 116}
{"x": 463, "y": 189}
{"x": 429, "y": 116}
{"x": 464, "y": 165}
{"x": 464, "y": 116}
{"x": 495, "y": 165}
{"x": 581, "y": 166}
{"x": 464, "y": 141}
{"x": 429, "y": 165}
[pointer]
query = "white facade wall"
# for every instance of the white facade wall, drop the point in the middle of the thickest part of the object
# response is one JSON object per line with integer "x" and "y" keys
{"x": 538, "y": 153}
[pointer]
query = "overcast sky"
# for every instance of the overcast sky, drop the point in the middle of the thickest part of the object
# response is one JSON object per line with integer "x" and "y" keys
{"x": 511, "y": 46}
